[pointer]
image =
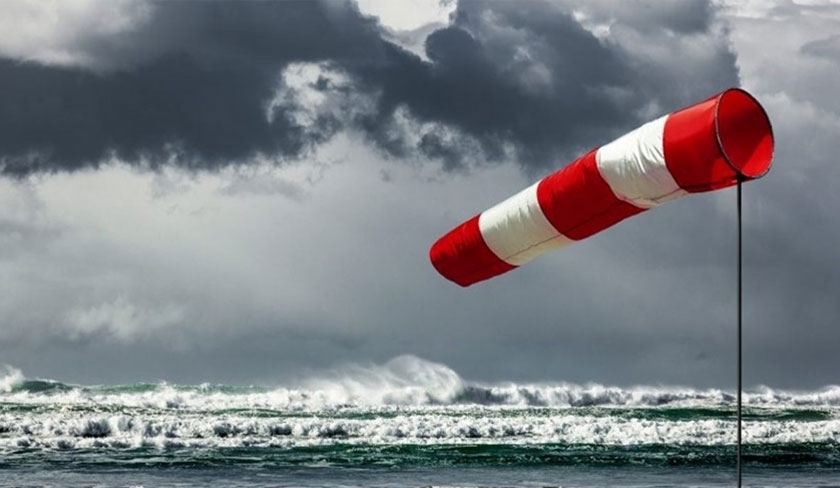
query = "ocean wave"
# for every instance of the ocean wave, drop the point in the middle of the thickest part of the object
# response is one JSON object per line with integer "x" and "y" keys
{"x": 409, "y": 410}
{"x": 403, "y": 381}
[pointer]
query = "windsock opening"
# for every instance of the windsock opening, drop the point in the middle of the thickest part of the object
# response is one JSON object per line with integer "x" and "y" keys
{"x": 744, "y": 133}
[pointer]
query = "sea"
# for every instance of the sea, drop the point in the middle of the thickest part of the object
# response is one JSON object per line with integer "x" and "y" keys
{"x": 410, "y": 423}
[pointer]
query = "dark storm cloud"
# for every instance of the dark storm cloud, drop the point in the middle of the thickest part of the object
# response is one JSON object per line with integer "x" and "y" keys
{"x": 191, "y": 87}
{"x": 529, "y": 73}
{"x": 201, "y": 99}
{"x": 478, "y": 88}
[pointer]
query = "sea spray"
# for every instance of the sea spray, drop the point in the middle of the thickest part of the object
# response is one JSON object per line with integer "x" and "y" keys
{"x": 11, "y": 377}
{"x": 404, "y": 380}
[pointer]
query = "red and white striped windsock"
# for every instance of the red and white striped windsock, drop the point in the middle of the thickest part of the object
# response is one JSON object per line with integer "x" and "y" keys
{"x": 704, "y": 147}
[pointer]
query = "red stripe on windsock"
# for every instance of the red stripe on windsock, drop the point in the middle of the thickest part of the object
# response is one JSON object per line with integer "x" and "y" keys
{"x": 462, "y": 255}
{"x": 710, "y": 145}
{"x": 578, "y": 202}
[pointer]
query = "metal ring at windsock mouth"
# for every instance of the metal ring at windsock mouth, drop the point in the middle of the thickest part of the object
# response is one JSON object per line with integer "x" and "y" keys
{"x": 744, "y": 134}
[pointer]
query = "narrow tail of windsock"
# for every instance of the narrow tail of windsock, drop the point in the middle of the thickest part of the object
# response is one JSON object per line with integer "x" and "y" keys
{"x": 704, "y": 147}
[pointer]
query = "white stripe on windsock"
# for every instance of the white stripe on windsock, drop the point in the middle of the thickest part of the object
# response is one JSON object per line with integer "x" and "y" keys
{"x": 516, "y": 229}
{"x": 634, "y": 167}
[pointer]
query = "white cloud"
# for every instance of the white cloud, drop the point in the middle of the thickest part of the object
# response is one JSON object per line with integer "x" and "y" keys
{"x": 122, "y": 320}
{"x": 309, "y": 91}
{"x": 772, "y": 50}
{"x": 407, "y": 15}
{"x": 407, "y": 23}
{"x": 67, "y": 33}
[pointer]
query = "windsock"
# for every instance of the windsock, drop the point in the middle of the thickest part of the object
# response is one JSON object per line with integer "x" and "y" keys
{"x": 711, "y": 145}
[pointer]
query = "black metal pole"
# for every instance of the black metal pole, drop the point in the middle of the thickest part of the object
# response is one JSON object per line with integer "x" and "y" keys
{"x": 740, "y": 335}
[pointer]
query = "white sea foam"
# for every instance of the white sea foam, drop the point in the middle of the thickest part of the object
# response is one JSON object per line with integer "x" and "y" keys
{"x": 436, "y": 425}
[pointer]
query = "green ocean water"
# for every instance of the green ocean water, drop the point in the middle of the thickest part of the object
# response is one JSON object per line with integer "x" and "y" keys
{"x": 415, "y": 424}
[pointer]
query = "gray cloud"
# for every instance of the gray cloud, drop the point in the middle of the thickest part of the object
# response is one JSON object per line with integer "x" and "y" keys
{"x": 190, "y": 84}
{"x": 828, "y": 48}
{"x": 688, "y": 17}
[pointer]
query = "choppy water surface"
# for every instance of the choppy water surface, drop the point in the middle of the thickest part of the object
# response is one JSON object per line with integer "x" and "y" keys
{"x": 409, "y": 423}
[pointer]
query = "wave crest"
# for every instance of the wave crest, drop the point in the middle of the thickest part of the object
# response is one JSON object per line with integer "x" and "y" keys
{"x": 404, "y": 380}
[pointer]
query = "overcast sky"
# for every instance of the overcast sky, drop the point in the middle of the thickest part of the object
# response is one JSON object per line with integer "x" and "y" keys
{"x": 247, "y": 192}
